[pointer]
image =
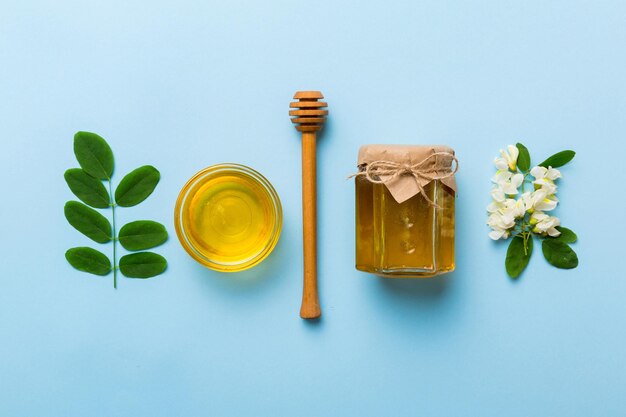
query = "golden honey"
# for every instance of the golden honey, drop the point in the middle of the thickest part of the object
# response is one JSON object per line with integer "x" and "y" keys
{"x": 414, "y": 238}
{"x": 407, "y": 239}
{"x": 228, "y": 217}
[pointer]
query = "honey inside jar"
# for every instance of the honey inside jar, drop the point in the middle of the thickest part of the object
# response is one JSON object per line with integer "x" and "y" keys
{"x": 406, "y": 239}
{"x": 228, "y": 217}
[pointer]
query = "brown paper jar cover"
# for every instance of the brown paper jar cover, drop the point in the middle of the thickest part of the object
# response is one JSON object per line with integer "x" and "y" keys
{"x": 403, "y": 187}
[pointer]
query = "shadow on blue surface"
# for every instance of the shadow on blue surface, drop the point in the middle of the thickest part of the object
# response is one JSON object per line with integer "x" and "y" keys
{"x": 425, "y": 288}
{"x": 258, "y": 278}
{"x": 422, "y": 305}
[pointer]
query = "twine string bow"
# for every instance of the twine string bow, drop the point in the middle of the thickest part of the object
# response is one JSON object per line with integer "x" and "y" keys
{"x": 375, "y": 171}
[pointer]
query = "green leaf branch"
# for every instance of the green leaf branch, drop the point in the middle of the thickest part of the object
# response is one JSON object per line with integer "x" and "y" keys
{"x": 95, "y": 157}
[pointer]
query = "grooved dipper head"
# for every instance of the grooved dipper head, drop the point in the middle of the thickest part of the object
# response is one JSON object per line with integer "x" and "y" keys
{"x": 308, "y": 114}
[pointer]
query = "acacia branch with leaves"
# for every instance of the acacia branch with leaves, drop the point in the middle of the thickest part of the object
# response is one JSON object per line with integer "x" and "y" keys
{"x": 95, "y": 157}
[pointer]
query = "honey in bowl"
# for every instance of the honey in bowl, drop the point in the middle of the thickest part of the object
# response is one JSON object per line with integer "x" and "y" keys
{"x": 228, "y": 217}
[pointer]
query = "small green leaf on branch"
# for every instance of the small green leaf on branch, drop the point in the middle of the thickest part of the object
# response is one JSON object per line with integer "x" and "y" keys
{"x": 559, "y": 254}
{"x": 142, "y": 265}
{"x": 142, "y": 234}
{"x": 558, "y": 159}
{"x": 523, "y": 159}
{"x": 517, "y": 257}
{"x": 567, "y": 235}
{"x": 88, "y": 221}
{"x": 137, "y": 186}
{"x": 88, "y": 189}
{"x": 88, "y": 260}
{"x": 94, "y": 155}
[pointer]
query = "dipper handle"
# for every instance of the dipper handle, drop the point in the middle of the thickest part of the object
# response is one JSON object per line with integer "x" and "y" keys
{"x": 310, "y": 308}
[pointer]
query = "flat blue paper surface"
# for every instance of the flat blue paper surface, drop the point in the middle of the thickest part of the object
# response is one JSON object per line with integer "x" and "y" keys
{"x": 187, "y": 84}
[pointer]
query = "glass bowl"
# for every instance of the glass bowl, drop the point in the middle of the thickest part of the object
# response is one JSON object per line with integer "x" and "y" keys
{"x": 228, "y": 217}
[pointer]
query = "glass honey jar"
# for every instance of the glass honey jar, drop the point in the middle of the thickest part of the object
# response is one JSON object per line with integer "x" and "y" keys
{"x": 405, "y": 199}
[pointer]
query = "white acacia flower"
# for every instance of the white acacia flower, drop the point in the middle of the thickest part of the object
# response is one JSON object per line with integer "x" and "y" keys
{"x": 508, "y": 158}
{"x": 520, "y": 206}
{"x": 496, "y": 234}
{"x": 502, "y": 176}
{"x": 508, "y": 182}
{"x": 501, "y": 223}
{"x": 498, "y": 195}
{"x": 516, "y": 208}
{"x": 501, "y": 164}
{"x": 496, "y": 205}
{"x": 548, "y": 187}
{"x": 545, "y": 177}
{"x": 545, "y": 224}
{"x": 547, "y": 173}
{"x": 527, "y": 199}
{"x": 541, "y": 201}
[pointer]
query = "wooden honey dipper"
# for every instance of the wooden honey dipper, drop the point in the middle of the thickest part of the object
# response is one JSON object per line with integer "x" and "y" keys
{"x": 309, "y": 115}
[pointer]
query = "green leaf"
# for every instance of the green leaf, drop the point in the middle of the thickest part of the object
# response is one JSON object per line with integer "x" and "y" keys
{"x": 88, "y": 260}
{"x": 88, "y": 221}
{"x": 558, "y": 159}
{"x": 142, "y": 234}
{"x": 90, "y": 190}
{"x": 523, "y": 160}
{"x": 94, "y": 155}
{"x": 567, "y": 235}
{"x": 516, "y": 258}
{"x": 137, "y": 186}
{"x": 559, "y": 254}
{"x": 142, "y": 265}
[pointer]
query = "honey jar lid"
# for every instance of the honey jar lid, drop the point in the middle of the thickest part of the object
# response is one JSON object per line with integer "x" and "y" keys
{"x": 406, "y": 169}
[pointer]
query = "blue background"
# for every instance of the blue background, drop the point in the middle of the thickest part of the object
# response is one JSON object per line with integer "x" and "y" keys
{"x": 183, "y": 85}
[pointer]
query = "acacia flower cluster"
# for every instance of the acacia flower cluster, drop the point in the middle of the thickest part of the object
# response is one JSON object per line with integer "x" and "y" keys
{"x": 517, "y": 211}
{"x": 523, "y": 199}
